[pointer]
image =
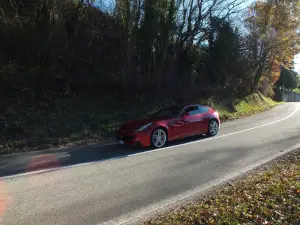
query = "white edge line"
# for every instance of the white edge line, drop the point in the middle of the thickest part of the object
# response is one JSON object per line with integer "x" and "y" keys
{"x": 167, "y": 204}
{"x": 150, "y": 151}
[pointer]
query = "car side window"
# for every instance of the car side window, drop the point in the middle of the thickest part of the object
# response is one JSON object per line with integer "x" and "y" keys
{"x": 203, "y": 109}
{"x": 192, "y": 110}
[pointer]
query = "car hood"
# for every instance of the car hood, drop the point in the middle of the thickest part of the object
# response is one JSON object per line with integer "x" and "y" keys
{"x": 136, "y": 124}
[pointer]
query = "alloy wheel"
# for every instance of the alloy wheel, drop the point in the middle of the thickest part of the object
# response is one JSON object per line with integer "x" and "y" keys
{"x": 159, "y": 138}
{"x": 213, "y": 128}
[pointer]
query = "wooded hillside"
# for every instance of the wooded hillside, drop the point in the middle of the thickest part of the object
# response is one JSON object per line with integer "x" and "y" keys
{"x": 60, "y": 54}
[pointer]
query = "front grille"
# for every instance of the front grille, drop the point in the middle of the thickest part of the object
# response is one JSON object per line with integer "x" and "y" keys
{"x": 126, "y": 138}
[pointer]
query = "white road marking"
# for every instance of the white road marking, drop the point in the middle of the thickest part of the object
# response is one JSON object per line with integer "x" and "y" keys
{"x": 155, "y": 150}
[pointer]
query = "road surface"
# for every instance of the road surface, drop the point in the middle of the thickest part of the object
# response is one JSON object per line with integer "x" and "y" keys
{"x": 124, "y": 183}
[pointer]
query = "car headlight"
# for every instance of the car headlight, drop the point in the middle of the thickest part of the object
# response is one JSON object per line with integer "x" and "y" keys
{"x": 217, "y": 114}
{"x": 143, "y": 127}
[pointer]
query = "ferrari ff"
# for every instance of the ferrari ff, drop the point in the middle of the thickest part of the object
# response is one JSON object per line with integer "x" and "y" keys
{"x": 169, "y": 124}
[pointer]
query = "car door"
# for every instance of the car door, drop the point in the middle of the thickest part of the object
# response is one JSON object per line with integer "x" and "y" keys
{"x": 202, "y": 119}
{"x": 189, "y": 119}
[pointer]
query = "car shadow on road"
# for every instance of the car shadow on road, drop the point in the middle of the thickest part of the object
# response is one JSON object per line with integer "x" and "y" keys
{"x": 54, "y": 159}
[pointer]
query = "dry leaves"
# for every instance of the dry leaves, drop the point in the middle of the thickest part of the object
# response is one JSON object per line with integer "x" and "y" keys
{"x": 271, "y": 197}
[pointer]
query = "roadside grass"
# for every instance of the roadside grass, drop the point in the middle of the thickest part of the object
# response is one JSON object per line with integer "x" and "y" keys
{"x": 270, "y": 197}
{"x": 246, "y": 106}
{"x": 75, "y": 121}
{"x": 297, "y": 90}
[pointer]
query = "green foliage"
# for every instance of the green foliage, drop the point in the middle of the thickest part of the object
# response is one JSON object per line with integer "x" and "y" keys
{"x": 168, "y": 44}
{"x": 287, "y": 80}
{"x": 151, "y": 42}
{"x": 146, "y": 52}
{"x": 224, "y": 58}
{"x": 245, "y": 106}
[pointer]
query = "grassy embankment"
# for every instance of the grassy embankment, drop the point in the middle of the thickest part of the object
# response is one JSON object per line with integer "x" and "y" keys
{"x": 270, "y": 196}
{"x": 75, "y": 121}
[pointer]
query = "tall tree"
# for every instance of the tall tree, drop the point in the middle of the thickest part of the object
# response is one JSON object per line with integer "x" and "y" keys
{"x": 223, "y": 50}
{"x": 287, "y": 80}
{"x": 273, "y": 34}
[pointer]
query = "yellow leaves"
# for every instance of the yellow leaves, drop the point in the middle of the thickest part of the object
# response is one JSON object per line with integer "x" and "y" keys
{"x": 285, "y": 38}
{"x": 212, "y": 222}
{"x": 273, "y": 23}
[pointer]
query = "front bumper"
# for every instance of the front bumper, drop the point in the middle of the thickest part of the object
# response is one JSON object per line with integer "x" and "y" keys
{"x": 134, "y": 139}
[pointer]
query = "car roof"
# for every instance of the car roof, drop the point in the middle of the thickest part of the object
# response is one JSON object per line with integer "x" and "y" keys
{"x": 184, "y": 106}
{"x": 195, "y": 104}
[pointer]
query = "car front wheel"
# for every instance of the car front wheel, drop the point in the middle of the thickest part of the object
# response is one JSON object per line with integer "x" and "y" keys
{"x": 159, "y": 138}
{"x": 213, "y": 128}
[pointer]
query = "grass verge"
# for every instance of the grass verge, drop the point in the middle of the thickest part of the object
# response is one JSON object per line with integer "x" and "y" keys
{"x": 79, "y": 121}
{"x": 246, "y": 106}
{"x": 297, "y": 90}
{"x": 270, "y": 197}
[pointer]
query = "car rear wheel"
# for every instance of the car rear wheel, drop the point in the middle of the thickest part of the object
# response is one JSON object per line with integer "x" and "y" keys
{"x": 159, "y": 138}
{"x": 213, "y": 128}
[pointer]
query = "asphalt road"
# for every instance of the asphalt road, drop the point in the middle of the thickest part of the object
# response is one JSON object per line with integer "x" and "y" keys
{"x": 124, "y": 183}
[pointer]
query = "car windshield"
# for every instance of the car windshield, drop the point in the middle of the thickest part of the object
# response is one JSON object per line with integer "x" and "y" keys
{"x": 169, "y": 112}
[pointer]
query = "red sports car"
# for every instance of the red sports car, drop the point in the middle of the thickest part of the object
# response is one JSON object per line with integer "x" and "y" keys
{"x": 169, "y": 124}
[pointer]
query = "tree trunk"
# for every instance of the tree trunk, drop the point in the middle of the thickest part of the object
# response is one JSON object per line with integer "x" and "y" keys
{"x": 259, "y": 70}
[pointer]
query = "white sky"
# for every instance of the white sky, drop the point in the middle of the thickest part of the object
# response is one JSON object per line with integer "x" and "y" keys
{"x": 297, "y": 63}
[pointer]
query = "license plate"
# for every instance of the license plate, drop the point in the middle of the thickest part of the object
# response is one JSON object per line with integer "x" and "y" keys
{"x": 121, "y": 142}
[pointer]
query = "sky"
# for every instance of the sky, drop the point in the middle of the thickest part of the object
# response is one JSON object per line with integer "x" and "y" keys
{"x": 297, "y": 63}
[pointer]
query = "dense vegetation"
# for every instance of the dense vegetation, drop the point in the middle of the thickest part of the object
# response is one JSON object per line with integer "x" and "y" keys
{"x": 65, "y": 61}
{"x": 288, "y": 80}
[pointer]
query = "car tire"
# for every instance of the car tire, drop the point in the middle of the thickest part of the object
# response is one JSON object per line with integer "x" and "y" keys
{"x": 213, "y": 128}
{"x": 159, "y": 138}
